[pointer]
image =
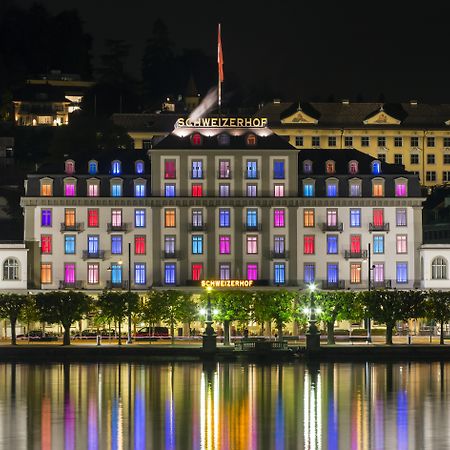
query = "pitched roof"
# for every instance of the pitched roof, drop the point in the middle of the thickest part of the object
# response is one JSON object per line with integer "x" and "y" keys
{"x": 162, "y": 123}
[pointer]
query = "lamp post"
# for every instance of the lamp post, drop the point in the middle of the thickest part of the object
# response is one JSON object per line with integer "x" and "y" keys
{"x": 129, "y": 340}
{"x": 312, "y": 335}
{"x": 209, "y": 336}
{"x": 369, "y": 286}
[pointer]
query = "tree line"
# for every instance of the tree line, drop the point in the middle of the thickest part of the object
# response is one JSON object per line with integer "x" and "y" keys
{"x": 278, "y": 307}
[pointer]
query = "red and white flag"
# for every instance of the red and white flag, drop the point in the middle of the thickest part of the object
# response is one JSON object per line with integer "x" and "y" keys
{"x": 220, "y": 57}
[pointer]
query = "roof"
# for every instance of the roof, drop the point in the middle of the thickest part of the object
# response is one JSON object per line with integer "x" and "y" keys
{"x": 162, "y": 123}
{"x": 40, "y": 93}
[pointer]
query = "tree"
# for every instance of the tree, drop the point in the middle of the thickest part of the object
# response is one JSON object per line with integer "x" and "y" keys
{"x": 63, "y": 307}
{"x": 437, "y": 307}
{"x": 29, "y": 313}
{"x": 11, "y": 305}
{"x": 391, "y": 306}
{"x": 188, "y": 310}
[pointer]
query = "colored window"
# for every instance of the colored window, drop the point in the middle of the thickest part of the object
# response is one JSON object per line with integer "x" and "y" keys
{"x": 278, "y": 218}
{"x": 308, "y": 245}
{"x": 69, "y": 244}
{"x": 139, "y": 190}
{"x": 378, "y": 244}
{"x": 252, "y": 245}
{"x": 116, "y": 217}
{"x": 116, "y": 273}
{"x": 169, "y": 273}
{"x": 116, "y": 244}
{"x": 169, "y": 245}
{"x": 278, "y": 170}
{"x": 278, "y": 245}
{"x": 251, "y": 190}
{"x": 376, "y": 167}
{"x": 355, "y": 217}
{"x": 330, "y": 167}
{"x": 169, "y": 218}
{"x": 92, "y": 167}
{"x": 116, "y": 167}
{"x": 93, "y": 245}
{"x": 225, "y": 271}
{"x": 332, "y": 244}
{"x": 197, "y": 217}
{"x": 170, "y": 171}
{"x": 139, "y": 245}
{"x": 139, "y": 218}
{"x": 46, "y": 189}
{"x": 197, "y": 245}
{"x": 378, "y": 217}
{"x": 332, "y": 189}
{"x": 139, "y": 167}
{"x": 93, "y": 273}
{"x": 378, "y": 272}
{"x": 252, "y": 271}
{"x": 355, "y": 273}
{"x": 196, "y": 139}
{"x": 377, "y": 189}
{"x": 46, "y": 244}
{"x": 307, "y": 166}
{"x": 355, "y": 243}
{"x": 332, "y": 217}
{"x": 400, "y": 189}
{"x": 332, "y": 273}
{"x": 116, "y": 190}
{"x": 224, "y": 217}
{"x": 197, "y": 190}
{"x": 308, "y": 189}
{"x": 69, "y": 189}
{"x": 224, "y": 168}
{"x": 279, "y": 273}
{"x": 169, "y": 190}
{"x": 400, "y": 217}
{"x": 46, "y": 273}
{"x": 196, "y": 271}
{"x": 139, "y": 273}
{"x": 92, "y": 217}
{"x": 224, "y": 190}
{"x": 402, "y": 245}
{"x": 355, "y": 189}
{"x": 278, "y": 190}
{"x": 46, "y": 217}
{"x": 69, "y": 217}
{"x": 93, "y": 190}
{"x": 402, "y": 272}
{"x": 308, "y": 218}
{"x": 252, "y": 170}
{"x": 309, "y": 273}
{"x": 69, "y": 273}
{"x": 197, "y": 169}
{"x": 252, "y": 218}
{"x": 224, "y": 245}
{"x": 353, "y": 167}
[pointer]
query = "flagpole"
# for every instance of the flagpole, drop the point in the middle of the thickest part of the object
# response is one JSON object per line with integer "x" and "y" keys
{"x": 220, "y": 69}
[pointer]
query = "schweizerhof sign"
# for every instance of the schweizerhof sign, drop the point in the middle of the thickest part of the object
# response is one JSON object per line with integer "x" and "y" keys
{"x": 222, "y": 122}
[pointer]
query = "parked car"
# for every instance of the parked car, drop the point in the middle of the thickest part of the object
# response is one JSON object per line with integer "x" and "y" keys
{"x": 38, "y": 335}
{"x": 145, "y": 333}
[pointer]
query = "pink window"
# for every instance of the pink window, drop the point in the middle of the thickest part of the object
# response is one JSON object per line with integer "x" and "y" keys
{"x": 224, "y": 245}
{"x": 278, "y": 218}
{"x": 139, "y": 245}
{"x": 353, "y": 167}
{"x": 355, "y": 243}
{"x": 69, "y": 190}
{"x": 197, "y": 271}
{"x": 69, "y": 273}
{"x": 93, "y": 190}
{"x": 400, "y": 190}
{"x": 46, "y": 244}
{"x": 197, "y": 190}
{"x": 252, "y": 271}
{"x": 308, "y": 245}
{"x": 378, "y": 217}
{"x": 169, "y": 169}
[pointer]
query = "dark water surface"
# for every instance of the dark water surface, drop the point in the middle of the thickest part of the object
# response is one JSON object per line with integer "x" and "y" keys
{"x": 225, "y": 406}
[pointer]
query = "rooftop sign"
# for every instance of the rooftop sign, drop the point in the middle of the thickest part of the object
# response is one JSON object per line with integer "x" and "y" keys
{"x": 226, "y": 283}
{"x": 222, "y": 122}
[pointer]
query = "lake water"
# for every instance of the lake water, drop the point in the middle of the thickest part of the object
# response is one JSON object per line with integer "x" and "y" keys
{"x": 225, "y": 406}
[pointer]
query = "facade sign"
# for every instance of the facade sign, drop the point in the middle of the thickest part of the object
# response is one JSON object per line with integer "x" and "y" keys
{"x": 226, "y": 283}
{"x": 222, "y": 122}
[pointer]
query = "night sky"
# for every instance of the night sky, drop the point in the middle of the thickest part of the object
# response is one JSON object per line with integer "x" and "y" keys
{"x": 299, "y": 49}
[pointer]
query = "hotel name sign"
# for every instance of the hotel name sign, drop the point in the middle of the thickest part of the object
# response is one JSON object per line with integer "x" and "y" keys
{"x": 226, "y": 283}
{"x": 222, "y": 122}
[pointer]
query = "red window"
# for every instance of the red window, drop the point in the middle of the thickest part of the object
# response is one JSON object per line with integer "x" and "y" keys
{"x": 169, "y": 169}
{"x": 139, "y": 245}
{"x": 308, "y": 244}
{"x": 355, "y": 243}
{"x": 197, "y": 271}
{"x": 46, "y": 244}
{"x": 197, "y": 190}
{"x": 92, "y": 217}
{"x": 196, "y": 139}
{"x": 378, "y": 217}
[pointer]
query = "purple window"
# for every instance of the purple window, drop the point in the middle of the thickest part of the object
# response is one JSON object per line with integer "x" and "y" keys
{"x": 224, "y": 245}
{"x": 69, "y": 273}
{"x": 46, "y": 217}
{"x": 278, "y": 217}
{"x": 252, "y": 271}
{"x": 400, "y": 190}
{"x": 69, "y": 190}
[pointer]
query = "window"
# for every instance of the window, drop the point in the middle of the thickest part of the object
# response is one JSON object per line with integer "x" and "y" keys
{"x": 431, "y": 158}
{"x": 223, "y": 139}
{"x": 197, "y": 218}
{"x": 116, "y": 244}
{"x": 431, "y": 141}
{"x": 378, "y": 273}
{"x": 92, "y": 217}
{"x": 169, "y": 190}
{"x": 116, "y": 168}
{"x": 400, "y": 188}
{"x": 447, "y": 157}
{"x": 251, "y": 190}
{"x": 116, "y": 189}
{"x": 398, "y": 158}
{"x": 308, "y": 218}
{"x": 251, "y": 170}
{"x": 400, "y": 217}
{"x": 46, "y": 273}
{"x": 93, "y": 189}
{"x": 332, "y": 217}
{"x": 430, "y": 175}
{"x": 139, "y": 245}
{"x": 332, "y": 274}
{"x": 381, "y": 141}
{"x": 169, "y": 245}
{"x": 225, "y": 271}
{"x": 308, "y": 245}
{"x": 116, "y": 274}
{"x": 398, "y": 141}
{"x": 46, "y": 217}
{"x": 355, "y": 273}
{"x": 46, "y": 244}
{"x": 250, "y": 139}
{"x": 69, "y": 189}
{"x": 69, "y": 217}
{"x": 139, "y": 273}
{"x": 278, "y": 170}
{"x": 169, "y": 218}
{"x": 197, "y": 245}
{"x": 69, "y": 273}
{"x": 439, "y": 268}
{"x": 46, "y": 188}
{"x": 224, "y": 168}
{"x": 116, "y": 217}
{"x": 315, "y": 141}
{"x": 279, "y": 273}
{"x": 402, "y": 272}
{"x": 197, "y": 190}
{"x": 139, "y": 167}
{"x": 332, "y": 188}
{"x": 308, "y": 188}
{"x": 376, "y": 167}
{"x": 331, "y": 141}
{"x": 69, "y": 244}
{"x": 414, "y": 158}
{"x": 355, "y": 243}
{"x": 299, "y": 141}
{"x": 224, "y": 245}
{"x": 332, "y": 244}
{"x": 252, "y": 218}
{"x": 402, "y": 245}
{"x": 93, "y": 245}
{"x": 252, "y": 271}
{"x": 330, "y": 166}
{"x": 382, "y": 157}
{"x": 446, "y": 142}
{"x": 307, "y": 166}
{"x": 377, "y": 188}
{"x": 378, "y": 244}
{"x": 309, "y": 272}
{"x": 355, "y": 218}
{"x": 196, "y": 139}
{"x": 414, "y": 141}
{"x": 348, "y": 141}
{"x": 355, "y": 188}
{"x": 92, "y": 167}
{"x": 378, "y": 217}
{"x": 224, "y": 190}
{"x": 353, "y": 167}
{"x": 446, "y": 176}
{"x": 365, "y": 141}
{"x": 170, "y": 171}
{"x": 279, "y": 245}
{"x": 139, "y": 189}
{"x": 139, "y": 218}
{"x": 278, "y": 190}
{"x": 278, "y": 218}
{"x": 252, "y": 245}
{"x": 197, "y": 169}
{"x": 93, "y": 273}
{"x": 196, "y": 271}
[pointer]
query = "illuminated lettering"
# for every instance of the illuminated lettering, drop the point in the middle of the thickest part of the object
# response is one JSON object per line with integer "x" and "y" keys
{"x": 226, "y": 283}
{"x": 225, "y": 121}
{"x": 240, "y": 122}
{"x": 264, "y": 122}
{"x": 222, "y": 122}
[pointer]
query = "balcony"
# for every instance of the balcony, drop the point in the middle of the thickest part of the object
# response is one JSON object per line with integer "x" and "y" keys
{"x": 78, "y": 284}
{"x": 197, "y": 227}
{"x": 279, "y": 255}
{"x": 362, "y": 254}
{"x": 252, "y": 227}
{"x": 252, "y": 175}
{"x": 330, "y": 285}
{"x": 382, "y": 227}
{"x": 120, "y": 285}
{"x": 93, "y": 255}
{"x": 78, "y": 227}
{"x": 337, "y": 227}
{"x": 199, "y": 175}
{"x": 122, "y": 227}
{"x": 171, "y": 254}
{"x": 385, "y": 284}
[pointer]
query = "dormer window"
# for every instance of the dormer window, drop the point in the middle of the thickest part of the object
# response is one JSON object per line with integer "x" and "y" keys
{"x": 401, "y": 187}
{"x": 93, "y": 187}
{"x": 116, "y": 187}
{"x": 223, "y": 139}
{"x": 330, "y": 166}
{"x": 250, "y": 140}
{"x": 354, "y": 189}
{"x": 46, "y": 187}
{"x": 353, "y": 167}
{"x": 139, "y": 166}
{"x": 70, "y": 187}
{"x": 92, "y": 167}
{"x": 70, "y": 167}
{"x": 116, "y": 167}
{"x": 376, "y": 167}
{"x": 196, "y": 139}
{"x": 332, "y": 187}
{"x": 139, "y": 188}
{"x": 307, "y": 166}
{"x": 378, "y": 187}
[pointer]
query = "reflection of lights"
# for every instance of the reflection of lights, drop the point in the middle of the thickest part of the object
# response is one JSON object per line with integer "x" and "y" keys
{"x": 312, "y": 410}
{"x": 209, "y": 412}
{"x": 92, "y": 425}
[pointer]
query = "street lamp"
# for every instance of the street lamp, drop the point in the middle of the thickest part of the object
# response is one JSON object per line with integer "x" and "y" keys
{"x": 129, "y": 340}
{"x": 369, "y": 286}
{"x": 312, "y": 335}
{"x": 209, "y": 336}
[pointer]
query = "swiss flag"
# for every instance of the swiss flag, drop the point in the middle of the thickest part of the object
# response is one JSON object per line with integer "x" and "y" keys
{"x": 220, "y": 56}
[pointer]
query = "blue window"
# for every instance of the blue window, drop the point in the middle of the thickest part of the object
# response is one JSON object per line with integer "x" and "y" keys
{"x": 252, "y": 170}
{"x": 139, "y": 167}
{"x": 197, "y": 169}
{"x": 331, "y": 190}
{"x": 93, "y": 167}
{"x": 69, "y": 245}
{"x": 252, "y": 217}
{"x": 308, "y": 190}
{"x": 139, "y": 218}
{"x": 116, "y": 273}
{"x": 355, "y": 217}
{"x": 139, "y": 190}
{"x": 116, "y": 168}
{"x": 169, "y": 274}
{"x": 378, "y": 243}
{"x": 402, "y": 272}
{"x": 332, "y": 244}
{"x": 278, "y": 170}
{"x": 93, "y": 246}
{"x": 309, "y": 274}
{"x": 139, "y": 273}
{"x": 169, "y": 190}
{"x": 332, "y": 273}
{"x": 197, "y": 245}
{"x": 46, "y": 217}
{"x": 376, "y": 167}
{"x": 116, "y": 190}
{"x": 224, "y": 217}
{"x": 116, "y": 244}
{"x": 279, "y": 273}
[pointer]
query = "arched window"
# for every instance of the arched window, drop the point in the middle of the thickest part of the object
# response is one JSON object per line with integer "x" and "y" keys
{"x": 250, "y": 140}
{"x": 376, "y": 167}
{"x": 377, "y": 187}
{"x": 92, "y": 167}
{"x": 139, "y": 167}
{"x": 69, "y": 166}
{"x": 116, "y": 167}
{"x": 307, "y": 166}
{"x": 353, "y": 167}
{"x": 354, "y": 187}
{"x": 196, "y": 139}
{"x": 401, "y": 187}
{"x": 332, "y": 187}
{"x": 223, "y": 139}
{"x": 439, "y": 268}
{"x": 11, "y": 269}
{"x": 330, "y": 166}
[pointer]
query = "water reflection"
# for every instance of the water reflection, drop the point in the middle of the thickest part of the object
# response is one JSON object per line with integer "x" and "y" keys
{"x": 224, "y": 406}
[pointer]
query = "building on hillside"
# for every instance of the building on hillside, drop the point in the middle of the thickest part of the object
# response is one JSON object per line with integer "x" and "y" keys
{"x": 224, "y": 199}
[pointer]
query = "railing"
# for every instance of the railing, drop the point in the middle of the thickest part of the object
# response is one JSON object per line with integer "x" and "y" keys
{"x": 78, "y": 227}
{"x": 386, "y": 284}
{"x": 252, "y": 227}
{"x": 94, "y": 255}
{"x": 258, "y": 344}
{"x": 78, "y": 284}
{"x": 196, "y": 175}
{"x": 362, "y": 254}
{"x": 252, "y": 175}
{"x": 171, "y": 255}
{"x": 119, "y": 285}
{"x": 122, "y": 227}
{"x": 327, "y": 227}
{"x": 197, "y": 227}
{"x": 382, "y": 227}
{"x": 327, "y": 285}
{"x": 279, "y": 255}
